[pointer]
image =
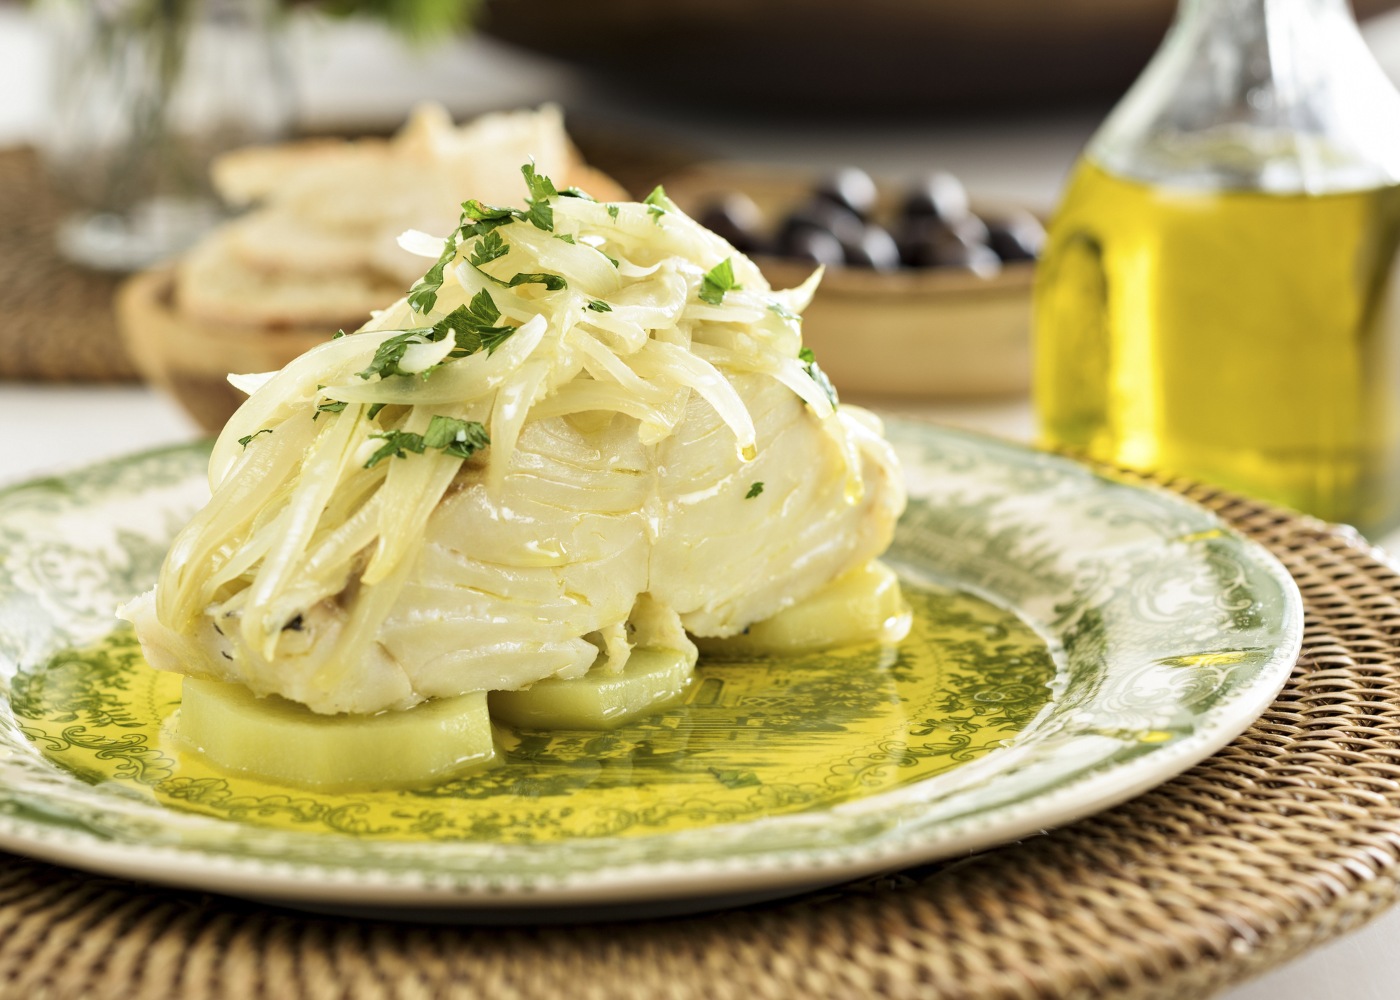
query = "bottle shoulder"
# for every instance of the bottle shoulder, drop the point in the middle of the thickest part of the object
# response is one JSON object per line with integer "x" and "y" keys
{"x": 1289, "y": 102}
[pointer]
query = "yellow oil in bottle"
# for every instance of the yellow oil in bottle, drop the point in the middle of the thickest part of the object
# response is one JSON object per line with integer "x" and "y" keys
{"x": 1246, "y": 339}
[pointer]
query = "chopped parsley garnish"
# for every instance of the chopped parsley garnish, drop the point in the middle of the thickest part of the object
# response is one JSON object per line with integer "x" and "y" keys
{"x": 599, "y": 306}
{"x": 782, "y": 311}
{"x": 423, "y": 295}
{"x": 328, "y": 406}
{"x": 480, "y": 221}
{"x": 541, "y": 213}
{"x": 480, "y": 217}
{"x": 754, "y": 491}
{"x": 458, "y": 438}
{"x": 566, "y": 237}
{"x": 809, "y": 362}
{"x": 397, "y": 444}
{"x": 473, "y": 328}
{"x": 386, "y": 359}
{"x": 374, "y": 409}
{"x": 573, "y": 192}
{"x": 477, "y": 219}
{"x": 338, "y": 334}
{"x": 490, "y": 247}
{"x": 612, "y": 212}
{"x": 656, "y": 203}
{"x": 719, "y": 280}
{"x": 248, "y": 437}
{"x": 553, "y": 282}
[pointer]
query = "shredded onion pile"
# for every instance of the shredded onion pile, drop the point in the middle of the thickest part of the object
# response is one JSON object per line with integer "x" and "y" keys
{"x": 615, "y": 314}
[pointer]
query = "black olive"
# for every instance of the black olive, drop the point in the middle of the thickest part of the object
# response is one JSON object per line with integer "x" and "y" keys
{"x": 915, "y": 238}
{"x": 850, "y": 188}
{"x": 735, "y": 217}
{"x": 935, "y": 245}
{"x": 818, "y": 246}
{"x": 876, "y": 249}
{"x": 938, "y": 196}
{"x": 839, "y": 222}
{"x": 971, "y": 229}
{"x": 1017, "y": 236}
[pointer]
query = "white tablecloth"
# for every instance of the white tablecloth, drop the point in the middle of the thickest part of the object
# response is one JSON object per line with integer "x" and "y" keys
{"x": 350, "y": 74}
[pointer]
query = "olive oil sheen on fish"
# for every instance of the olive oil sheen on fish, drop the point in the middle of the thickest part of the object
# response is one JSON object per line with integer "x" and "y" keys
{"x": 1244, "y": 338}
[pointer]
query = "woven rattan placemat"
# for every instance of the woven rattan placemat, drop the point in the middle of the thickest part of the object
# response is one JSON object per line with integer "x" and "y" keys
{"x": 1285, "y": 838}
{"x": 59, "y": 324}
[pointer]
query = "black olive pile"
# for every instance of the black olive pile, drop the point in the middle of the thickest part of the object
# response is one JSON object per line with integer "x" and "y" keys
{"x": 836, "y": 226}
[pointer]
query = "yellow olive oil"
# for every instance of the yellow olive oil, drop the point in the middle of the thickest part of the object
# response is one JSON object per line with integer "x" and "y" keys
{"x": 1244, "y": 338}
{"x": 753, "y": 737}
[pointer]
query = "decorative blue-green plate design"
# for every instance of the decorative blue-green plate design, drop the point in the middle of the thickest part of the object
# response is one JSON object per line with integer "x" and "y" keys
{"x": 1149, "y": 635}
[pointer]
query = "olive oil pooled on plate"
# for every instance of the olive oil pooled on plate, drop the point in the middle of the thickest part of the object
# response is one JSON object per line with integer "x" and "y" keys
{"x": 757, "y": 737}
{"x": 1241, "y": 337}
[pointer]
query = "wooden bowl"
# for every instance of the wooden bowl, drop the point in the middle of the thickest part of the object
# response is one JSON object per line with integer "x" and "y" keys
{"x": 927, "y": 332}
{"x": 191, "y": 359}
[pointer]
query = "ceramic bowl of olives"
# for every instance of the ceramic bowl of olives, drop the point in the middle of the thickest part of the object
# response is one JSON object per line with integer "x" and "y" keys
{"x": 926, "y": 293}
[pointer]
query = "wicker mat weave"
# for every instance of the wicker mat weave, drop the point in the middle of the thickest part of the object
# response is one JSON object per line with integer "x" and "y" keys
{"x": 1285, "y": 838}
{"x": 59, "y": 324}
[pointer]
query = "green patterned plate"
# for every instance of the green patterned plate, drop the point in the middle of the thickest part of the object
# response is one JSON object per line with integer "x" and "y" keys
{"x": 1078, "y": 640}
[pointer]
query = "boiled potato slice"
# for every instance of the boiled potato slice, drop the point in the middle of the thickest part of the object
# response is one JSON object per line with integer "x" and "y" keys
{"x": 652, "y": 679}
{"x": 863, "y": 605}
{"x": 283, "y": 742}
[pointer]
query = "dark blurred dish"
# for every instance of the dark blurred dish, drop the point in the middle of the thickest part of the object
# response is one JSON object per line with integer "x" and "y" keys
{"x": 873, "y": 56}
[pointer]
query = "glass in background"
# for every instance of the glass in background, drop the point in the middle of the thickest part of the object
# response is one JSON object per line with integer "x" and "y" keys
{"x": 145, "y": 94}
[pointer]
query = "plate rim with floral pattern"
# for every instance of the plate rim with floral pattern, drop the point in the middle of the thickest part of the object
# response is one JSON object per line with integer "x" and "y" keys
{"x": 1113, "y": 572}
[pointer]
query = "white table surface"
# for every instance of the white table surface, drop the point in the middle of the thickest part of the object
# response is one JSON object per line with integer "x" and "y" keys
{"x": 354, "y": 73}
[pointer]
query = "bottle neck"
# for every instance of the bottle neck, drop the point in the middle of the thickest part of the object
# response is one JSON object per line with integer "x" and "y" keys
{"x": 1258, "y": 94}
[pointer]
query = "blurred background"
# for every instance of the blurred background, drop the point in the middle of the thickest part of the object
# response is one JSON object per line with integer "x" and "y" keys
{"x": 108, "y": 103}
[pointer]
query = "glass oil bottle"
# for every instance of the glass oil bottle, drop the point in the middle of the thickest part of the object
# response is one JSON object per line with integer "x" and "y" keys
{"x": 1217, "y": 294}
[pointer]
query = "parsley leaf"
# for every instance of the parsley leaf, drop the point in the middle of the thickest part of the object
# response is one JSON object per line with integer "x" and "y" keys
{"x": 541, "y": 213}
{"x": 478, "y": 218}
{"x": 612, "y": 212}
{"x": 656, "y": 203}
{"x": 386, "y": 359}
{"x": 566, "y": 237}
{"x": 330, "y": 406}
{"x": 474, "y": 326}
{"x": 719, "y": 280}
{"x": 754, "y": 491}
{"x": 338, "y": 334}
{"x": 573, "y": 192}
{"x": 551, "y": 281}
{"x": 782, "y": 311}
{"x": 599, "y": 306}
{"x": 374, "y": 409}
{"x": 397, "y": 444}
{"x": 809, "y": 362}
{"x": 246, "y": 438}
{"x": 423, "y": 295}
{"x": 490, "y": 247}
{"x": 459, "y": 438}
